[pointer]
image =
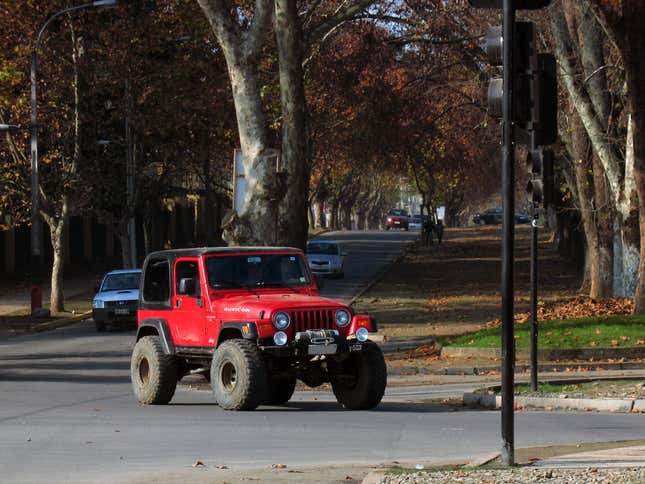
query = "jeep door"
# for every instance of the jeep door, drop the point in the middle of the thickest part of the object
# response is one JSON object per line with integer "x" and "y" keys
{"x": 188, "y": 313}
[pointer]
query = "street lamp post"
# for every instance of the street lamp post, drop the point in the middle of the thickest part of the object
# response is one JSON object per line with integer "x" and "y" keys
{"x": 36, "y": 229}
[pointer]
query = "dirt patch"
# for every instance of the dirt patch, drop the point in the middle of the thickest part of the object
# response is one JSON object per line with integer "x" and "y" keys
{"x": 454, "y": 287}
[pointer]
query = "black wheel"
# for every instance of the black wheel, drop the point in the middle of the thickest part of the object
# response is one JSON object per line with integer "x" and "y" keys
{"x": 280, "y": 390}
{"x": 100, "y": 326}
{"x": 387, "y": 228}
{"x": 238, "y": 375}
{"x": 153, "y": 373}
{"x": 361, "y": 384}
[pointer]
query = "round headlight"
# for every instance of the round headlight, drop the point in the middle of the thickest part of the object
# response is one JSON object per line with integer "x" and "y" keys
{"x": 281, "y": 321}
{"x": 362, "y": 334}
{"x": 280, "y": 338}
{"x": 342, "y": 318}
{"x": 98, "y": 304}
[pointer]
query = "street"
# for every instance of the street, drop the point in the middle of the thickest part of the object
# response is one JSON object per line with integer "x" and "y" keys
{"x": 369, "y": 253}
{"x": 67, "y": 412}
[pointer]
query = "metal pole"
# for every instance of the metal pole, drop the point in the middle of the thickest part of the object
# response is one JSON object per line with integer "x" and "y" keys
{"x": 534, "y": 296}
{"x": 508, "y": 229}
{"x": 36, "y": 238}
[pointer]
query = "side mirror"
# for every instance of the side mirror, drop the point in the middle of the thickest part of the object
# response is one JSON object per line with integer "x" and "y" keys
{"x": 186, "y": 287}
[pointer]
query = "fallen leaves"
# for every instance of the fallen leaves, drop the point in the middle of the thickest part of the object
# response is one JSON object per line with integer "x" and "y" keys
{"x": 615, "y": 342}
{"x": 199, "y": 463}
{"x": 640, "y": 342}
{"x": 278, "y": 466}
{"x": 577, "y": 307}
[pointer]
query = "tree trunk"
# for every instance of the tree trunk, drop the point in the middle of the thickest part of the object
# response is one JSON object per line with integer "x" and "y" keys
{"x": 57, "y": 230}
{"x": 254, "y": 223}
{"x": 584, "y": 188}
{"x": 292, "y": 221}
{"x": 319, "y": 214}
{"x": 633, "y": 46}
{"x": 604, "y": 225}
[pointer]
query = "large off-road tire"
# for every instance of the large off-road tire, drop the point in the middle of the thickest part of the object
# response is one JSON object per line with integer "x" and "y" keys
{"x": 238, "y": 375}
{"x": 153, "y": 373}
{"x": 280, "y": 390}
{"x": 362, "y": 384}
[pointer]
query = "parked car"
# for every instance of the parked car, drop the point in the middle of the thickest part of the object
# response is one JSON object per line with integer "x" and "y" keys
{"x": 253, "y": 321}
{"x": 415, "y": 222}
{"x": 396, "y": 219}
{"x": 116, "y": 299}
{"x": 491, "y": 216}
{"x": 326, "y": 257}
{"x": 522, "y": 218}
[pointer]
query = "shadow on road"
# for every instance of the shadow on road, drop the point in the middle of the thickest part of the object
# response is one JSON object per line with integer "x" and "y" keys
{"x": 383, "y": 407}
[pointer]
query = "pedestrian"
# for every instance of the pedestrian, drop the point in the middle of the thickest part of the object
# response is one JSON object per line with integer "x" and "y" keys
{"x": 439, "y": 229}
{"x": 428, "y": 228}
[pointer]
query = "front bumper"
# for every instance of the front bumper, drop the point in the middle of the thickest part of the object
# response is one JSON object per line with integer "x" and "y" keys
{"x": 312, "y": 343}
{"x": 113, "y": 315}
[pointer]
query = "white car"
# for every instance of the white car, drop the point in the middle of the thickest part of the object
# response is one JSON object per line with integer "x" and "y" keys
{"x": 325, "y": 257}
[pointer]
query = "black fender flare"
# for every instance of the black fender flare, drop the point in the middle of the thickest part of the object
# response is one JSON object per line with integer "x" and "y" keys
{"x": 159, "y": 327}
{"x": 246, "y": 329}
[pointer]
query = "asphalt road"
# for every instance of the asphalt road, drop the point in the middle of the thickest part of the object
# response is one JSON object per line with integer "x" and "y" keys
{"x": 369, "y": 253}
{"x": 67, "y": 414}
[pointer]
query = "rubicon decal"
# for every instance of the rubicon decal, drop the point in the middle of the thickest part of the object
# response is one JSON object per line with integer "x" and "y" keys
{"x": 237, "y": 310}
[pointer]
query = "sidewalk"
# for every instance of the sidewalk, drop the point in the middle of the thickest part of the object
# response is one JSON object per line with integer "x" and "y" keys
{"x": 17, "y": 296}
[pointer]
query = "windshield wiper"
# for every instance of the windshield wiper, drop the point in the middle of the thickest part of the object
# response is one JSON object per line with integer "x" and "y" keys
{"x": 235, "y": 284}
{"x": 277, "y": 284}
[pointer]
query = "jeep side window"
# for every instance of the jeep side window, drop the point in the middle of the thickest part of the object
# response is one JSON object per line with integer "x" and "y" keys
{"x": 156, "y": 284}
{"x": 187, "y": 270}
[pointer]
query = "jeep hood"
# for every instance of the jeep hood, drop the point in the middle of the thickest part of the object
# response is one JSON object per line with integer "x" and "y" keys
{"x": 251, "y": 305}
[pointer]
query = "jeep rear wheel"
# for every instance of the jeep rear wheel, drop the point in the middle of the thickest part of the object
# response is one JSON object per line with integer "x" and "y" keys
{"x": 361, "y": 384}
{"x": 238, "y": 375}
{"x": 280, "y": 389}
{"x": 153, "y": 373}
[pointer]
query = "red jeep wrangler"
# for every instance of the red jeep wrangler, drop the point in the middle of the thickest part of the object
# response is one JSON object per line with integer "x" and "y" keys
{"x": 251, "y": 321}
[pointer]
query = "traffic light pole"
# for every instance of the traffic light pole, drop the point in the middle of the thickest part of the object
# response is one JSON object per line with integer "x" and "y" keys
{"x": 508, "y": 242}
{"x": 534, "y": 296}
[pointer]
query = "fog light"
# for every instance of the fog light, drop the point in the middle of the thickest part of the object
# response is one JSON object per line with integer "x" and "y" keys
{"x": 280, "y": 338}
{"x": 362, "y": 334}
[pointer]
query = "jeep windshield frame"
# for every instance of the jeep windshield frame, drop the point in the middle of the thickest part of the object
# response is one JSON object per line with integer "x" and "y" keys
{"x": 253, "y": 271}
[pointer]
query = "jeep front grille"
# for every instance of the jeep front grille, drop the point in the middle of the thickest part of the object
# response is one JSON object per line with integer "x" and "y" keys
{"x": 312, "y": 319}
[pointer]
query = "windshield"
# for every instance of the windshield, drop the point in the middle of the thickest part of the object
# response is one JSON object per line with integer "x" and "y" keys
{"x": 322, "y": 248}
{"x": 265, "y": 270}
{"x": 399, "y": 212}
{"x": 121, "y": 282}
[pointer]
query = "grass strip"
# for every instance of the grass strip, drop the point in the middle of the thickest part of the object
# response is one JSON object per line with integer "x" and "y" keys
{"x": 600, "y": 331}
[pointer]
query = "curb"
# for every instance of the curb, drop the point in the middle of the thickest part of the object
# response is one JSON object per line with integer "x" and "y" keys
{"x": 483, "y": 460}
{"x": 542, "y": 368}
{"x": 59, "y": 323}
{"x": 548, "y": 354}
{"x": 406, "y": 345}
{"x": 385, "y": 270}
{"x": 548, "y": 403}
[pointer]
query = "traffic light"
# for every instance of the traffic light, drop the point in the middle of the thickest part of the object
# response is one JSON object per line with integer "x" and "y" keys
{"x": 539, "y": 164}
{"x": 535, "y": 105}
{"x": 547, "y": 99}
{"x": 524, "y": 66}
